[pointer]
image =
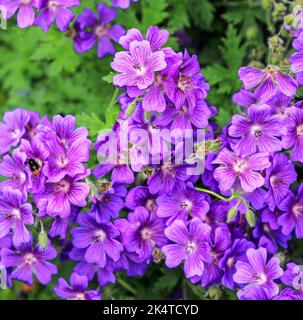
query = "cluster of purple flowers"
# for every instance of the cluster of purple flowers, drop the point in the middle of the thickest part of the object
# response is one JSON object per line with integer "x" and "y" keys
{"x": 229, "y": 234}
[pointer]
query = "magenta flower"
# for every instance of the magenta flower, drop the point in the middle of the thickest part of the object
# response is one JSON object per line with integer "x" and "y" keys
{"x": 26, "y": 14}
{"x": 245, "y": 170}
{"x": 56, "y": 10}
{"x": 183, "y": 203}
{"x": 15, "y": 215}
{"x": 12, "y": 129}
{"x": 93, "y": 29}
{"x": 138, "y": 66}
{"x": 77, "y": 290}
{"x": 294, "y": 137}
{"x": 190, "y": 245}
{"x": 258, "y": 272}
{"x": 27, "y": 261}
{"x": 279, "y": 176}
{"x": 267, "y": 81}
{"x": 260, "y": 131}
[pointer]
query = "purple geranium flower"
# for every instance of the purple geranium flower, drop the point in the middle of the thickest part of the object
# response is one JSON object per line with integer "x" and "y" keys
{"x": 12, "y": 129}
{"x": 292, "y": 218}
{"x": 260, "y": 131}
{"x": 140, "y": 197}
{"x": 93, "y": 29}
{"x": 289, "y": 294}
{"x": 142, "y": 232}
{"x": 237, "y": 252}
{"x": 63, "y": 194}
{"x": 28, "y": 261}
{"x": 138, "y": 66}
{"x": 14, "y": 168}
{"x": 184, "y": 202}
{"x": 258, "y": 272}
{"x": 270, "y": 79}
{"x": 124, "y": 4}
{"x": 245, "y": 169}
{"x": 26, "y": 14}
{"x": 15, "y": 215}
{"x": 56, "y": 10}
{"x": 294, "y": 137}
{"x": 99, "y": 239}
{"x": 190, "y": 245}
{"x": 254, "y": 292}
{"x": 62, "y": 161}
{"x": 108, "y": 201}
{"x": 278, "y": 179}
{"x": 77, "y": 290}
{"x": 296, "y": 58}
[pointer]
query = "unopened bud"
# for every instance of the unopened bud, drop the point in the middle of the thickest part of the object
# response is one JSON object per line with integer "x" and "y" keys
{"x": 42, "y": 240}
{"x": 250, "y": 218}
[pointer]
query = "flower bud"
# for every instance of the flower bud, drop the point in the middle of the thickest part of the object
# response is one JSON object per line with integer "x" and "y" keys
{"x": 42, "y": 239}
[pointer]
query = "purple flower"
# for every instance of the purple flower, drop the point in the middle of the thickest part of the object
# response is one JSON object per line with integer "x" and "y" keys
{"x": 278, "y": 179}
{"x": 296, "y": 58}
{"x": 260, "y": 131}
{"x": 12, "y": 129}
{"x": 237, "y": 252}
{"x": 289, "y": 294}
{"x": 270, "y": 80}
{"x": 37, "y": 153}
{"x": 62, "y": 161}
{"x": 190, "y": 245}
{"x": 15, "y": 169}
{"x": 92, "y": 29}
{"x": 109, "y": 200}
{"x": 77, "y": 290}
{"x": 254, "y": 292}
{"x": 140, "y": 197}
{"x": 142, "y": 232}
{"x": 186, "y": 84}
{"x": 184, "y": 202}
{"x": 292, "y": 273}
{"x": 15, "y": 215}
{"x": 27, "y": 261}
{"x": 138, "y": 66}
{"x": 124, "y": 4}
{"x": 56, "y": 10}
{"x": 99, "y": 240}
{"x": 294, "y": 137}
{"x": 292, "y": 218}
{"x": 61, "y": 195}
{"x": 26, "y": 14}
{"x": 258, "y": 272}
{"x": 234, "y": 167}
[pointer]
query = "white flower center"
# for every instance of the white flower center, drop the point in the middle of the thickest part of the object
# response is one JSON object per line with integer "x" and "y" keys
{"x": 29, "y": 259}
{"x": 256, "y": 130}
{"x": 186, "y": 205}
{"x": 297, "y": 210}
{"x": 16, "y": 213}
{"x": 99, "y": 235}
{"x": 62, "y": 162}
{"x": 146, "y": 234}
{"x": 261, "y": 278}
{"x": 191, "y": 247}
{"x": 300, "y": 130}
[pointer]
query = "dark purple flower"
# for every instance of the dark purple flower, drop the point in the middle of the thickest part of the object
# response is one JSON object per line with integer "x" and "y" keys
{"x": 77, "y": 290}
{"x": 61, "y": 195}
{"x": 279, "y": 176}
{"x": 260, "y": 131}
{"x": 108, "y": 201}
{"x": 99, "y": 239}
{"x": 292, "y": 218}
{"x": 234, "y": 167}
{"x": 294, "y": 137}
{"x": 190, "y": 245}
{"x": 56, "y": 10}
{"x": 12, "y": 129}
{"x": 268, "y": 81}
{"x": 27, "y": 261}
{"x": 142, "y": 232}
{"x": 140, "y": 197}
{"x": 92, "y": 29}
{"x": 26, "y": 14}
{"x": 14, "y": 168}
{"x": 15, "y": 215}
{"x": 258, "y": 272}
{"x": 184, "y": 202}
{"x": 293, "y": 274}
{"x": 237, "y": 252}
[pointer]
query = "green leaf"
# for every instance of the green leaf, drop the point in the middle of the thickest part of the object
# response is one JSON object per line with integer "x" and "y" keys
{"x": 92, "y": 122}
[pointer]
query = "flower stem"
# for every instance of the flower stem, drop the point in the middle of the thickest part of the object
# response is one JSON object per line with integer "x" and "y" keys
{"x": 126, "y": 286}
{"x": 216, "y": 195}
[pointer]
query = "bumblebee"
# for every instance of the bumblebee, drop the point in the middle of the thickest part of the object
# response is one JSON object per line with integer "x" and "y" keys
{"x": 34, "y": 166}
